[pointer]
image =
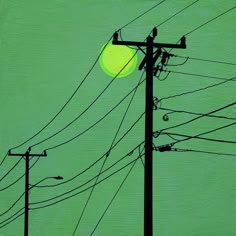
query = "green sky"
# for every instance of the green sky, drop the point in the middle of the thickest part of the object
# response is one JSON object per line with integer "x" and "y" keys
{"x": 46, "y": 49}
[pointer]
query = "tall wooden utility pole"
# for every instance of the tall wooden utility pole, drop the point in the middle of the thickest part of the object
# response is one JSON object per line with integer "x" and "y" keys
{"x": 27, "y": 156}
{"x": 149, "y": 60}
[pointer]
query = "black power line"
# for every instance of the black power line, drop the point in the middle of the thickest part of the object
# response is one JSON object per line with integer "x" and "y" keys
{"x": 140, "y": 82}
{"x": 14, "y": 218}
{"x": 18, "y": 199}
{"x": 75, "y": 194}
{"x": 116, "y": 193}
{"x": 14, "y": 182}
{"x": 144, "y": 13}
{"x": 207, "y": 60}
{"x": 114, "y": 164}
{"x": 11, "y": 217}
{"x": 171, "y": 111}
{"x": 214, "y": 18}
{"x": 67, "y": 102}
{"x": 78, "y": 187}
{"x": 193, "y": 137}
{"x": 177, "y": 13}
{"x": 94, "y": 163}
{"x": 196, "y": 118}
{"x": 206, "y": 132}
{"x": 199, "y": 75}
{"x": 3, "y": 160}
{"x": 16, "y": 164}
{"x": 198, "y": 90}
{"x": 205, "y": 23}
{"x": 104, "y": 162}
{"x": 75, "y": 119}
{"x": 202, "y": 151}
{"x": 122, "y": 183}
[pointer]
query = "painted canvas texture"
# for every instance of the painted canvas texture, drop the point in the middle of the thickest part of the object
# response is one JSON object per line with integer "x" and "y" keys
{"x": 61, "y": 95}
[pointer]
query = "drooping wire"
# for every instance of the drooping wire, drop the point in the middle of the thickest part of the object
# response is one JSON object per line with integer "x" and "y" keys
{"x": 207, "y": 60}
{"x": 170, "y": 136}
{"x": 80, "y": 186}
{"x": 81, "y": 134}
{"x": 75, "y": 194}
{"x": 90, "y": 179}
{"x": 104, "y": 162}
{"x": 67, "y": 102}
{"x": 116, "y": 193}
{"x": 180, "y": 64}
{"x": 74, "y": 120}
{"x": 16, "y": 164}
{"x": 201, "y": 151}
{"x": 93, "y": 164}
{"x": 103, "y": 117}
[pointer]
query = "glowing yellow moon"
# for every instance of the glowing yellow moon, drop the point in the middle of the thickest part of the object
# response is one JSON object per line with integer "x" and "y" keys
{"x": 115, "y": 57}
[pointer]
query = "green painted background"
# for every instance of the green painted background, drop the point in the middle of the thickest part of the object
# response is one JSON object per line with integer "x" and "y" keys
{"x": 47, "y": 47}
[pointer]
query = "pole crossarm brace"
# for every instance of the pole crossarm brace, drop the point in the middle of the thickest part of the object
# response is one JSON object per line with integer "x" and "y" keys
{"x": 144, "y": 44}
{"x": 44, "y": 154}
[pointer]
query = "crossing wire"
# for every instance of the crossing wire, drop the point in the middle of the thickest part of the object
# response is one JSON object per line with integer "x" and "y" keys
{"x": 116, "y": 193}
{"x": 206, "y": 132}
{"x": 156, "y": 133}
{"x": 198, "y": 90}
{"x": 193, "y": 137}
{"x": 113, "y": 164}
{"x": 199, "y": 75}
{"x": 94, "y": 163}
{"x": 207, "y": 60}
{"x": 73, "y": 138}
{"x": 104, "y": 162}
{"x": 202, "y": 151}
{"x": 75, "y": 194}
{"x": 122, "y": 183}
{"x": 172, "y": 111}
{"x": 67, "y": 102}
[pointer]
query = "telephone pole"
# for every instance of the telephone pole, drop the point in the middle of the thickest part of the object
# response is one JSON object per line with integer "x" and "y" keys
{"x": 149, "y": 60}
{"x": 27, "y": 156}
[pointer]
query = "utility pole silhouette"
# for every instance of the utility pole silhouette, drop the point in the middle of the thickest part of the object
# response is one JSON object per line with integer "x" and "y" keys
{"x": 149, "y": 60}
{"x": 27, "y": 156}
